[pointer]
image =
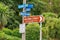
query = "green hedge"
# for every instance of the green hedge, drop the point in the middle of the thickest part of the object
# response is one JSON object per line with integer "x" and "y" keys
{"x": 14, "y": 32}
{"x": 51, "y": 27}
{"x": 4, "y": 36}
{"x": 7, "y": 31}
{"x": 32, "y": 31}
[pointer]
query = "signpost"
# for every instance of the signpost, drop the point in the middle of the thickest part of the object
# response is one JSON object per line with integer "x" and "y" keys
{"x": 40, "y": 30}
{"x": 26, "y": 12}
{"x": 28, "y": 19}
{"x": 24, "y": 34}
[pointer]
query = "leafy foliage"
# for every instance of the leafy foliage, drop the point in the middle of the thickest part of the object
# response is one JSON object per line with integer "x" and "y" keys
{"x": 10, "y": 18}
{"x": 4, "y": 36}
{"x": 32, "y": 31}
{"x": 14, "y": 32}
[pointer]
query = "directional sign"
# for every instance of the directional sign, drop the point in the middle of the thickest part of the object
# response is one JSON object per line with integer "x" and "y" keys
{"x": 25, "y": 5}
{"x": 30, "y": 6}
{"x": 28, "y": 9}
{"x": 22, "y": 6}
{"x": 22, "y": 28}
{"x": 24, "y": 13}
{"x": 30, "y": 19}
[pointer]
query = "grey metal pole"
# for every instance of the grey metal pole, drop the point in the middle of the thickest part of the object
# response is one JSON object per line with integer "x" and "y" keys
{"x": 40, "y": 30}
{"x": 23, "y": 34}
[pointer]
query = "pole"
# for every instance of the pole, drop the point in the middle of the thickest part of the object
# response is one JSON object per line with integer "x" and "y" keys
{"x": 40, "y": 30}
{"x": 23, "y": 34}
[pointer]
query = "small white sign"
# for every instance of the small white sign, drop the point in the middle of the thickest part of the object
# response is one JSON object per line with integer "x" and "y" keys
{"x": 22, "y": 28}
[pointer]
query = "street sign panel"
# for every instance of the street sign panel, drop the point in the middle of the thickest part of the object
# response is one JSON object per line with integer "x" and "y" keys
{"x": 22, "y": 28}
{"x": 30, "y": 6}
{"x": 30, "y": 19}
{"x": 24, "y": 13}
{"x": 22, "y": 6}
{"x": 28, "y": 9}
{"x": 25, "y": 5}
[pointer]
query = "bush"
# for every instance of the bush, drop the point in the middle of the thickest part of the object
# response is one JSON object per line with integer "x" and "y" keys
{"x": 49, "y": 14}
{"x": 4, "y": 36}
{"x": 32, "y": 31}
{"x": 7, "y": 31}
{"x": 14, "y": 32}
{"x": 52, "y": 26}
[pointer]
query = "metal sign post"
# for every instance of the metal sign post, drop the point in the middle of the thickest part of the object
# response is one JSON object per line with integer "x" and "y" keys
{"x": 40, "y": 30}
{"x": 26, "y": 12}
{"x": 23, "y": 34}
{"x": 27, "y": 19}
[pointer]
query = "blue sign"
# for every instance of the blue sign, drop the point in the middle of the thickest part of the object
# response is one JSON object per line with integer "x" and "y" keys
{"x": 25, "y": 5}
{"x": 22, "y": 6}
{"x": 24, "y": 14}
{"x": 30, "y": 6}
{"x": 28, "y": 9}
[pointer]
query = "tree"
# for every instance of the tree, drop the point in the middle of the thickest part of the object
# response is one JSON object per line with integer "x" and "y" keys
{"x": 5, "y": 14}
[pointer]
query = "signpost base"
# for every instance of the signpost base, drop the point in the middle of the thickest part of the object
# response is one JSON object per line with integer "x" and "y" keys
{"x": 40, "y": 30}
{"x": 23, "y": 36}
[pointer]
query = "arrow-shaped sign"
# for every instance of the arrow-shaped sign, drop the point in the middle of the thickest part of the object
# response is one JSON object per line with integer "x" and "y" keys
{"x": 30, "y": 19}
{"x": 24, "y": 13}
{"x": 25, "y": 5}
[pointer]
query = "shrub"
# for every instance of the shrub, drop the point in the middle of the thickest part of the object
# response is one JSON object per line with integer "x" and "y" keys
{"x": 32, "y": 31}
{"x": 16, "y": 33}
{"x": 4, "y": 36}
{"x": 52, "y": 26}
{"x": 49, "y": 14}
{"x": 7, "y": 31}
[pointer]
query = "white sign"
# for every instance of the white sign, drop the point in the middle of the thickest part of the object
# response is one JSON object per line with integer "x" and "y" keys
{"x": 22, "y": 28}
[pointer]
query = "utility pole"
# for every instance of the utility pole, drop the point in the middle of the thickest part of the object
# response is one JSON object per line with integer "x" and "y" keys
{"x": 24, "y": 34}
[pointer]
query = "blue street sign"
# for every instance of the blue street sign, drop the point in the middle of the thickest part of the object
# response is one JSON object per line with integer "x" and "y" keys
{"x": 24, "y": 14}
{"x": 27, "y": 14}
{"x": 30, "y": 6}
{"x": 25, "y": 5}
{"x": 22, "y": 6}
{"x": 28, "y": 9}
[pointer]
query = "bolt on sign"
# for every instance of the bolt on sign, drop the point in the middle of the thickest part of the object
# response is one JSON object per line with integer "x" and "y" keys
{"x": 29, "y": 19}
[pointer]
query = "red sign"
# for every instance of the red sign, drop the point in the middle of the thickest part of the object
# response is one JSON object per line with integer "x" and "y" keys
{"x": 29, "y": 19}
